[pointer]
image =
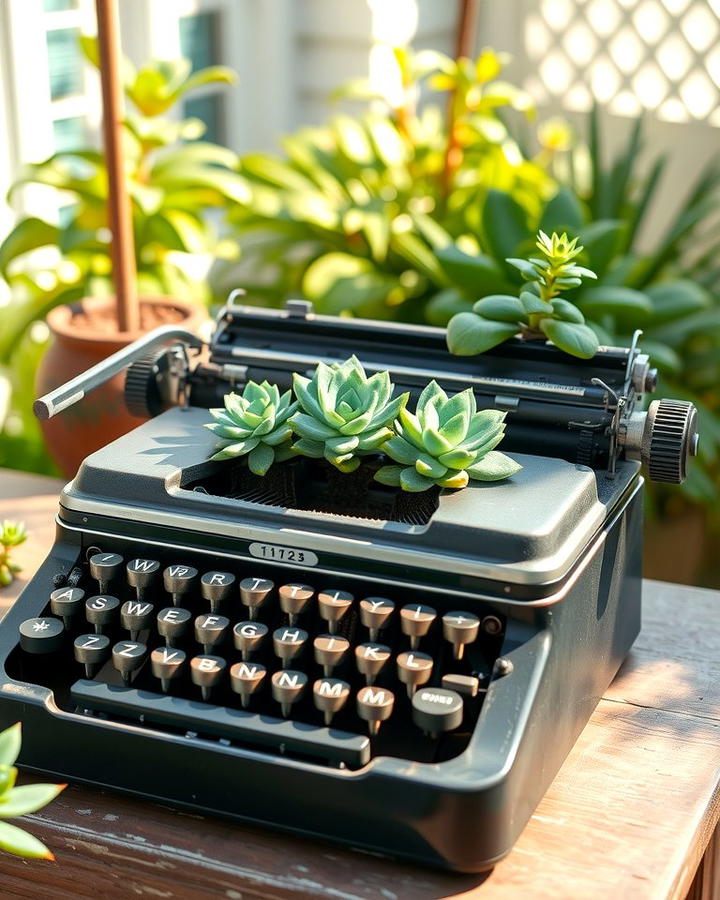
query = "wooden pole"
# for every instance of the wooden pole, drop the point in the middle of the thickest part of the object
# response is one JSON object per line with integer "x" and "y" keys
{"x": 119, "y": 208}
{"x": 465, "y": 35}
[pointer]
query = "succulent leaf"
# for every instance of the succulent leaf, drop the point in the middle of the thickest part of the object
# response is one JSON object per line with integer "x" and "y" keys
{"x": 254, "y": 424}
{"x": 447, "y": 455}
{"x": 343, "y": 414}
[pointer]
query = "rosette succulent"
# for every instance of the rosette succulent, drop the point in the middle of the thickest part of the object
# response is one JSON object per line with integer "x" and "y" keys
{"x": 254, "y": 423}
{"x": 446, "y": 443}
{"x": 344, "y": 414}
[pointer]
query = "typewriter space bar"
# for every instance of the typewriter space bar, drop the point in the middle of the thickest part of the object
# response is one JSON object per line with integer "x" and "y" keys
{"x": 284, "y": 736}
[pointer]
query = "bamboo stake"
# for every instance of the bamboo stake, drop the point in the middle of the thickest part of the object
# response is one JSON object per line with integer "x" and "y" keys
{"x": 119, "y": 209}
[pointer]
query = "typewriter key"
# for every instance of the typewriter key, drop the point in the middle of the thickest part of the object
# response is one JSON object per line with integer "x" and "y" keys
{"x": 67, "y": 602}
{"x": 254, "y": 592}
{"x": 127, "y": 657}
{"x": 288, "y": 643}
{"x": 371, "y": 659}
{"x": 206, "y": 672}
{"x": 436, "y": 710}
{"x": 467, "y": 685}
{"x": 136, "y": 616}
{"x": 287, "y": 688}
{"x": 210, "y": 630}
{"x": 294, "y": 598}
{"x": 104, "y": 567}
{"x": 101, "y": 611}
{"x": 43, "y": 635}
{"x": 329, "y": 650}
{"x": 215, "y": 587}
{"x": 91, "y": 650}
{"x": 374, "y": 614}
{"x": 141, "y": 574}
{"x": 247, "y": 637}
{"x": 246, "y": 679}
{"x": 414, "y": 669}
{"x": 375, "y": 705}
{"x": 415, "y": 622}
{"x": 172, "y": 623}
{"x": 333, "y": 605}
{"x": 329, "y": 696}
{"x": 166, "y": 663}
{"x": 460, "y": 628}
{"x": 178, "y": 581}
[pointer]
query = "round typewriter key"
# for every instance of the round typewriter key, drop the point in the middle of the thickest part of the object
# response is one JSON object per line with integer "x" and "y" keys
{"x": 294, "y": 598}
{"x": 491, "y": 625}
{"x": 91, "y": 650}
{"x": 141, "y": 573}
{"x": 210, "y": 630}
{"x": 206, "y": 672}
{"x": 332, "y": 606}
{"x": 127, "y": 657}
{"x": 172, "y": 623}
{"x": 67, "y": 602}
{"x": 436, "y": 710}
{"x": 246, "y": 679}
{"x": 288, "y": 643}
{"x": 178, "y": 581}
{"x": 375, "y": 705}
{"x": 460, "y": 628}
{"x": 414, "y": 669}
{"x": 415, "y": 622}
{"x": 287, "y": 688}
{"x": 44, "y": 635}
{"x": 329, "y": 696}
{"x": 166, "y": 663}
{"x": 135, "y": 616}
{"x": 104, "y": 567}
{"x": 101, "y": 611}
{"x": 215, "y": 587}
{"x": 467, "y": 685}
{"x": 370, "y": 660}
{"x": 375, "y": 613}
{"x": 247, "y": 637}
{"x": 329, "y": 650}
{"x": 254, "y": 592}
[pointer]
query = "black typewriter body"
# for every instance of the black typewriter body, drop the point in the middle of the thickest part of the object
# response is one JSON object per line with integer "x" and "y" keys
{"x": 546, "y": 568}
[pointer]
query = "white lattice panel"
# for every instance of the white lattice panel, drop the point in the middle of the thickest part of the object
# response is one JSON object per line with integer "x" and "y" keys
{"x": 659, "y": 55}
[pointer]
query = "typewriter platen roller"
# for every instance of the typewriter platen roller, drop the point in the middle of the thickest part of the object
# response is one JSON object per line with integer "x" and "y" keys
{"x": 407, "y": 683}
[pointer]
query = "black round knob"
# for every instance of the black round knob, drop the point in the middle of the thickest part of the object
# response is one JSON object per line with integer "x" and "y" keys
{"x": 143, "y": 391}
{"x": 670, "y": 438}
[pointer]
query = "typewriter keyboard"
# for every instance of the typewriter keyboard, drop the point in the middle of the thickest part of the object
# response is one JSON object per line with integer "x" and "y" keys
{"x": 333, "y": 670}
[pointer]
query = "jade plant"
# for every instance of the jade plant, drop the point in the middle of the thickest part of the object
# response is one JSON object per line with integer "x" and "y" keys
{"x": 343, "y": 414}
{"x": 20, "y": 801}
{"x": 12, "y": 534}
{"x": 254, "y": 424}
{"x": 539, "y": 311}
{"x": 446, "y": 442}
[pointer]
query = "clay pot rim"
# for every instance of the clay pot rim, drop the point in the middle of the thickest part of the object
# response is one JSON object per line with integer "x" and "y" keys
{"x": 60, "y": 319}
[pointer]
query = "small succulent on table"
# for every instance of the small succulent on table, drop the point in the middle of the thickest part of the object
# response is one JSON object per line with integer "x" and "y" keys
{"x": 343, "y": 414}
{"x": 254, "y": 424}
{"x": 447, "y": 442}
{"x": 12, "y": 534}
{"x": 20, "y": 801}
{"x": 539, "y": 311}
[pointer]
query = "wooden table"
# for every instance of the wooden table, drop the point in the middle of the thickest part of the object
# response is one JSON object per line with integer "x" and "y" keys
{"x": 630, "y": 815}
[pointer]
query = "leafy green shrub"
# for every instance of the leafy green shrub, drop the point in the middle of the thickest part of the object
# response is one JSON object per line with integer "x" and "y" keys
{"x": 12, "y": 534}
{"x": 446, "y": 443}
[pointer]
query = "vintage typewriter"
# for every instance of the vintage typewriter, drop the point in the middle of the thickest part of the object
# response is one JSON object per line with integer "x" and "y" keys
{"x": 406, "y": 683}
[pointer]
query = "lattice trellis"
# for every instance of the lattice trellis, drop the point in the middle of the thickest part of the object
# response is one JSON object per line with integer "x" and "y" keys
{"x": 660, "y": 55}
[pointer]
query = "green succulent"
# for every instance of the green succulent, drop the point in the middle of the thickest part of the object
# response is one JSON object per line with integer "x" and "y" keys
{"x": 344, "y": 414}
{"x": 446, "y": 443}
{"x": 538, "y": 311}
{"x": 20, "y": 801}
{"x": 255, "y": 424}
{"x": 12, "y": 534}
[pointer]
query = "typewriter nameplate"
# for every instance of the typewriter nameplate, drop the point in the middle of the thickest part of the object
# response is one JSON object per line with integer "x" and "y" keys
{"x": 279, "y": 553}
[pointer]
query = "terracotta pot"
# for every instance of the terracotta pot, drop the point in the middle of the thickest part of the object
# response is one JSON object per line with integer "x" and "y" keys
{"x": 83, "y": 335}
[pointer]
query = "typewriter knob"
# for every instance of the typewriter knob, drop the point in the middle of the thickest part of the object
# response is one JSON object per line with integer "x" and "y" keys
{"x": 143, "y": 391}
{"x": 670, "y": 436}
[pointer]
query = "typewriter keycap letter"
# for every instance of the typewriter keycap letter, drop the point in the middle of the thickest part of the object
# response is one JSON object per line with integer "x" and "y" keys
{"x": 375, "y": 705}
{"x": 375, "y": 613}
{"x": 333, "y": 605}
{"x": 329, "y": 696}
{"x": 91, "y": 650}
{"x": 246, "y": 679}
{"x": 254, "y": 592}
{"x": 415, "y": 621}
{"x": 166, "y": 663}
{"x": 248, "y": 636}
{"x": 460, "y": 628}
{"x": 414, "y": 669}
{"x": 206, "y": 672}
{"x": 127, "y": 657}
{"x": 287, "y": 688}
{"x": 172, "y": 623}
{"x": 104, "y": 567}
{"x": 101, "y": 611}
{"x": 179, "y": 580}
{"x": 216, "y": 587}
{"x": 67, "y": 603}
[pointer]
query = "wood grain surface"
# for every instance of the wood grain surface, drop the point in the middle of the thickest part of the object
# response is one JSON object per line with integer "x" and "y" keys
{"x": 629, "y": 815}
